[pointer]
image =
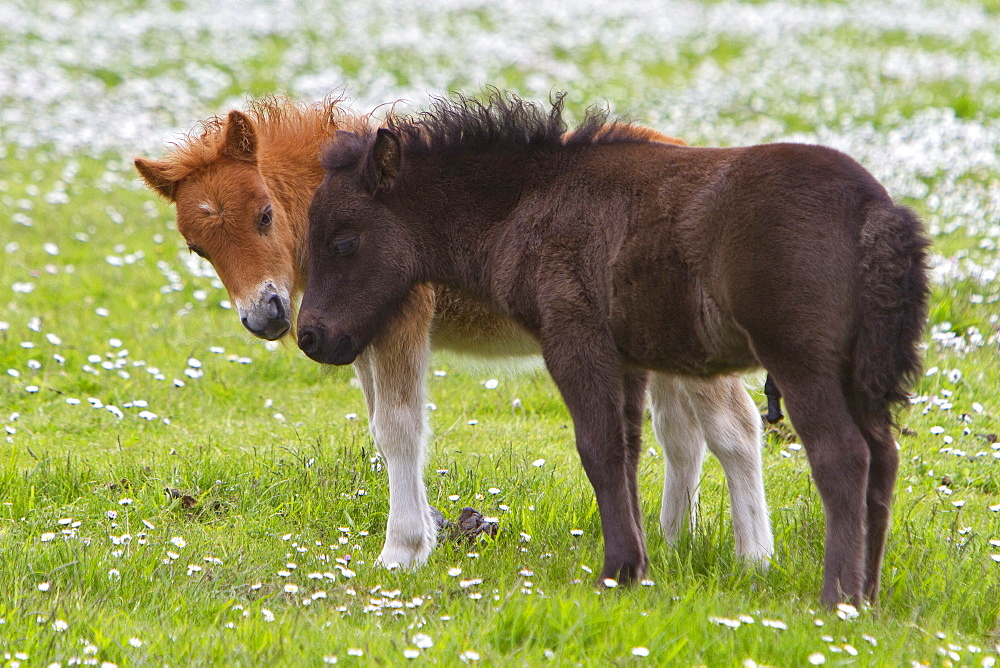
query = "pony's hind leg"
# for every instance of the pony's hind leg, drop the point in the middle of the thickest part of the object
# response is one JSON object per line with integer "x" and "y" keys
{"x": 680, "y": 435}
{"x": 732, "y": 430}
{"x": 839, "y": 458}
{"x": 881, "y": 480}
{"x": 397, "y": 370}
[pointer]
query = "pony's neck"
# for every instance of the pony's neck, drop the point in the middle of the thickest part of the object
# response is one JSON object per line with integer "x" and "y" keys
{"x": 465, "y": 226}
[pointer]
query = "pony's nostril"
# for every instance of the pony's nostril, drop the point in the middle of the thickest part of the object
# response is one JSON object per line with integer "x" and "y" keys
{"x": 277, "y": 309}
{"x": 309, "y": 340}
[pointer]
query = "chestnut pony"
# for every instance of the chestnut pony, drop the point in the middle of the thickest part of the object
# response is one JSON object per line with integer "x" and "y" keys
{"x": 623, "y": 255}
{"x": 242, "y": 186}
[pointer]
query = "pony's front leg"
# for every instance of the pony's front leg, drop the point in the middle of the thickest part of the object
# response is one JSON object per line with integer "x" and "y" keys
{"x": 591, "y": 380}
{"x": 634, "y": 404}
{"x": 397, "y": 368}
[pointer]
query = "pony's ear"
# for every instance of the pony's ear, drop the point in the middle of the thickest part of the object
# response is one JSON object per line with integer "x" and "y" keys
{"x": 154, "y": 173}
{"x": 386, "y": 158}
{"x": 241, "y": 140}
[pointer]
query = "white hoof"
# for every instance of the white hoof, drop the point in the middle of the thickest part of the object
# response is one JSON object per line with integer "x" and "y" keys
{"x": 759, "y": 557}
{"x": 410, "y": 551}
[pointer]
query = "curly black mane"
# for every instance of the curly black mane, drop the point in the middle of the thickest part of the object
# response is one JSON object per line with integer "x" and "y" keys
{"x": 496, "y": 121}
{"x": 504, "y": 120}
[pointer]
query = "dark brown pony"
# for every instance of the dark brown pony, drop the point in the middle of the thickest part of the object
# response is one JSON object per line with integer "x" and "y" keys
{"x": 622, "y": 256}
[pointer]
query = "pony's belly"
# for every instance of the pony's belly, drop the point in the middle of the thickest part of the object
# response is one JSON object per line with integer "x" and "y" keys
{"x": 688, "y": 358}
{"x": 469, "y": 327}
{"x": 703, "y": 368}
{"x": 681, "y": 333}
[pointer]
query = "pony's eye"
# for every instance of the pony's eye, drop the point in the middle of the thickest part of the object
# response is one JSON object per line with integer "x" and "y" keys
{"x": 197, "y": 251}
{"x": 344, "y": 246}
{"x": 265, "y": 218}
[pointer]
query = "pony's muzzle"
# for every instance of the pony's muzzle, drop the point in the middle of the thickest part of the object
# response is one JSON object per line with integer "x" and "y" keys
{"x": 334, "y": 350}
{"x": 310, "y": 340}
{"x": 276, "y": 310}
{"x": 272, "y": 330}
{"x": 268, "y": 319}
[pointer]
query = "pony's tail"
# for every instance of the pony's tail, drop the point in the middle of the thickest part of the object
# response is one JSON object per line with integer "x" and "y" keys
{"x": 891, "y": 308}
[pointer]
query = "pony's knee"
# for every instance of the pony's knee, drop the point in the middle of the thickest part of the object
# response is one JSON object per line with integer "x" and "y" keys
{"x": 399, "y": 432}
{"x": 730, "y": 420}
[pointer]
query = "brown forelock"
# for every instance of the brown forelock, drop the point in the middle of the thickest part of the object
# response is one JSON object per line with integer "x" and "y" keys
{"x": 223, "y": 188}
{"x": 345, "y": 150}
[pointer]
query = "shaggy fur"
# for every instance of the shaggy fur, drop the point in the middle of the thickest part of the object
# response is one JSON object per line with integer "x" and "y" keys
{"x": 623, "y": 256}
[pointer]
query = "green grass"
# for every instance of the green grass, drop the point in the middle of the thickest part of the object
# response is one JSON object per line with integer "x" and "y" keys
{"x": 276, "y": 472}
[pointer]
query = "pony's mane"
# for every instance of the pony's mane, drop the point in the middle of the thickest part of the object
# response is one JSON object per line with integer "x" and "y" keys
{"x": 498, "y": 121}
{"x": 503, "y": 121}
{"x": 289, "y": 125}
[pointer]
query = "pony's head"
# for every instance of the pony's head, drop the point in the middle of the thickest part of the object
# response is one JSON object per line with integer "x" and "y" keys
{"x": 363, "y": 261}
{"x": 227, "y": 215}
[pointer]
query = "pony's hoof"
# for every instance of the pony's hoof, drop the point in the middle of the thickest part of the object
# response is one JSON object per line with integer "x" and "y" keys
{"x": 758, "y": 558}
{"x": 393, "y": 557}
{"x": 627, "y": 573}
{"x": 411, "y": 550}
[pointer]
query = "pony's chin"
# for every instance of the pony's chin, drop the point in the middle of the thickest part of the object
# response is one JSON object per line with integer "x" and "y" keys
{"x": 344, "y": 352}
{"x": 272, "y": 329}
{"x": 276, "y": 331}
{"x": 338, "y": 350}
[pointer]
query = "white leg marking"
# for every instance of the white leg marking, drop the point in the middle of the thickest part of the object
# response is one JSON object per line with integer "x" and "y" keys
{"x": 366, "y": 377}
{"x": 680, "y": 435}
{"x": 732, "y": 428}
{"x": 394, "y": 385}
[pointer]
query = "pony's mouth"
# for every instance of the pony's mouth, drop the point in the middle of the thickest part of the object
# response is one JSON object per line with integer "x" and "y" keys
{"x": 338, "y": 350}
{"x": 273, "y": 330}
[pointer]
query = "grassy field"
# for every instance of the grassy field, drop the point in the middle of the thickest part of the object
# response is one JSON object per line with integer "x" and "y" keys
{"x": 173, "y": 491}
